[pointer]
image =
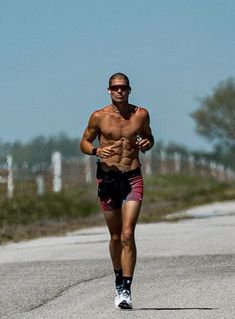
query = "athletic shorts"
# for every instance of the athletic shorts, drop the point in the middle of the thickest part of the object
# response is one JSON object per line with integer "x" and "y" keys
{"x": 116, "y": 187}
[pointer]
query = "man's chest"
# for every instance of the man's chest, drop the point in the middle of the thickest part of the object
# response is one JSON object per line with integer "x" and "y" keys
{"x": 116, "y": 126}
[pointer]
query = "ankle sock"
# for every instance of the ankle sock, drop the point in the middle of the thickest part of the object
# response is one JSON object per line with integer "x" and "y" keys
{"x": 118, "y": 277}
{"x": 127, "y": 283}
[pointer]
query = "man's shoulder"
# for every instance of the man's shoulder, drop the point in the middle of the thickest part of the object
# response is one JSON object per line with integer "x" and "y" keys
{"x": 100, "y": 112}
{"x": 142, "y": 111}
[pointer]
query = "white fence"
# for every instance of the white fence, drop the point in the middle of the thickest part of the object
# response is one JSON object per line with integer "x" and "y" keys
{"x": 8, "y": 178}
{"x": 74, "y": 172}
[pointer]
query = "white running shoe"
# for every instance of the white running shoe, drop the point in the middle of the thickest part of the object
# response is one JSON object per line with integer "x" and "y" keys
{"x": 125, "y": 301}
{"x": 118, "y": 294}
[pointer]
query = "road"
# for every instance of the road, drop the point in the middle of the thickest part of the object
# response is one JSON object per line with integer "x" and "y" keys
{"x": 184, "y": 270}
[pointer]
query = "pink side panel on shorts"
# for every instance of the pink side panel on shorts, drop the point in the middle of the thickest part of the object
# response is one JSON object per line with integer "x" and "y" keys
{"x": 137, "y": 187}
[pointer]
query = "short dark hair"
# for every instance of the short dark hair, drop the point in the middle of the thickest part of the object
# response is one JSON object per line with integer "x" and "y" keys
{"x": 119, "y": 75}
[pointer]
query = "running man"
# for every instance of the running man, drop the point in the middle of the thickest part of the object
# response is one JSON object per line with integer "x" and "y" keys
{"x": 123, "y": 130}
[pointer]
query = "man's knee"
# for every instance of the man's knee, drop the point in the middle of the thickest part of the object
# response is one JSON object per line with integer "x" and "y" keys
{"x": 116, "y": 238}
{"x": 127, "y": 237}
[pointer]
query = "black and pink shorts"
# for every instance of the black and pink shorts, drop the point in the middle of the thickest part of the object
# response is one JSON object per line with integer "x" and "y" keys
{"x": 115, "y": 187}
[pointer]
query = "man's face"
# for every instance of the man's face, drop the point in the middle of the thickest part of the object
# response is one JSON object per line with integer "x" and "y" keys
{"x": 119, "y": 90}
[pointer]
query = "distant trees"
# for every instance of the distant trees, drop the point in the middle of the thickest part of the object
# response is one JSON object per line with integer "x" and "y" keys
{"x": 215, "y": 118}
{"x": 39, "y": 149}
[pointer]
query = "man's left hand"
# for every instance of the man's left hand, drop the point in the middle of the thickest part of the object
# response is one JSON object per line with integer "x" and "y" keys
{"x": 144, "y": 144}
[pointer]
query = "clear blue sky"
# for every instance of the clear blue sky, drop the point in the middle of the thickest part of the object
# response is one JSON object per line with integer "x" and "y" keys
{"x": 57, "y": 56}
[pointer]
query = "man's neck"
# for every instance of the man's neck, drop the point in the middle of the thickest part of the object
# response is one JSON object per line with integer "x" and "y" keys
{"x": 121, "y": 107}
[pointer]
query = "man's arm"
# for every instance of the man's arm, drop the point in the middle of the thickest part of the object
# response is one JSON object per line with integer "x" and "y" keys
{"x": 147, "y": 141}
{"x": 90, "y": 134}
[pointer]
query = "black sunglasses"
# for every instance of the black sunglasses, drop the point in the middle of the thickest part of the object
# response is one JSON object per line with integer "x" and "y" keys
{"x": 117, "y": 87}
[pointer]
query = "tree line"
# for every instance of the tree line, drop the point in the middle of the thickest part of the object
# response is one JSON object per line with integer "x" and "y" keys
{"x": 40, "y": 148}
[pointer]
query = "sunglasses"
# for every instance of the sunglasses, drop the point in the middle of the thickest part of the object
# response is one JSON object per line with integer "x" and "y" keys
{"x": 117, "y": 87}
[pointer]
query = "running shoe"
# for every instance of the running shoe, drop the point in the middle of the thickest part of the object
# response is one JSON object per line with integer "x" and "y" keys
{"x": 125, "y": 301}
{"x": 118, "y": 294}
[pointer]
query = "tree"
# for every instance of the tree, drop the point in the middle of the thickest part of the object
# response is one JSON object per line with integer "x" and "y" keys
{"x": 215, "y": 118}
{"x": 40, "y": 148}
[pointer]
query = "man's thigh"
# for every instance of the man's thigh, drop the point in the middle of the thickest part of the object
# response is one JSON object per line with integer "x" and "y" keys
{"x": 113, "y": 220}
{"x": 130, "y": 214}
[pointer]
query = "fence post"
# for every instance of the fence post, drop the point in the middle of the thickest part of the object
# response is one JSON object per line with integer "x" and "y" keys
{"x": 177, "y": 158}
{"x": 56, "y": 168}
{"x": 229, "y": 174}
{"x": 163, "y": 162}
{"x": 221, "y": 172}
{"x": 10, "y": 184}
{"x": 191, "y": 163}
{"x": 212, "y": 166}
{"x": 148, "y": 163}
{"x": 40, "y": 185}
{"x": 87, "y": 164}
{"x": 202, "y": 163}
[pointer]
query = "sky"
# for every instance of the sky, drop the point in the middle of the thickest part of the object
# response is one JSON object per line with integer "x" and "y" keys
{"x": 56, "y": 58}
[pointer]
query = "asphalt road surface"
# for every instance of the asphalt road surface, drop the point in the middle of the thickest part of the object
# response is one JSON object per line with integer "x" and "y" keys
{"x": 184, "y": 270}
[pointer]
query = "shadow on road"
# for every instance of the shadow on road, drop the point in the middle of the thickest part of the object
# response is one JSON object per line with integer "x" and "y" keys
{"x": 173, "y": 309}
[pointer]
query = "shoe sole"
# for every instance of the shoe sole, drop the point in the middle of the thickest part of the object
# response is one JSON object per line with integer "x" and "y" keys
{"x": 124, "y": 306}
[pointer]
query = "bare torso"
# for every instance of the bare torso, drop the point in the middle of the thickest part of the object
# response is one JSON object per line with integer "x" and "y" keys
{"x": 120, "y": 131}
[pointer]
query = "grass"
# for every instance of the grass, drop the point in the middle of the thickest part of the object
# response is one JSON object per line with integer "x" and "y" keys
{"x": 30, "y": 216}
{"x": 171, "y": 193}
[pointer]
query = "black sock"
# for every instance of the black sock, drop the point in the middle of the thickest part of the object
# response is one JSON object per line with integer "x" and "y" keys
{"x": 118, "y": 277}
{"x": 127, "y": 283}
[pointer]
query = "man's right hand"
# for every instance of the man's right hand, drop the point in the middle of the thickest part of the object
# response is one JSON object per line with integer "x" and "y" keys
{"x": 106, "y": 151}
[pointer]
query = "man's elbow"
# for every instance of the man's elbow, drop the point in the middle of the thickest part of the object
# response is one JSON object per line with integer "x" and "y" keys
{"x": 82, "y": 146}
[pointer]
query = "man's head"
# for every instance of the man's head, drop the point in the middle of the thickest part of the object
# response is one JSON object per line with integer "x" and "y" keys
{"x": 119, "y": 75}
{"x": 119, "y": 87}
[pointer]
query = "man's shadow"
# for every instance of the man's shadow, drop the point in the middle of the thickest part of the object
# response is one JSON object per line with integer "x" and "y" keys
{"x": 172, "y": 308}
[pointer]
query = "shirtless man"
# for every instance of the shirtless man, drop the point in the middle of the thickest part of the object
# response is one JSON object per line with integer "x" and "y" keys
{"x": 123, "y": 130}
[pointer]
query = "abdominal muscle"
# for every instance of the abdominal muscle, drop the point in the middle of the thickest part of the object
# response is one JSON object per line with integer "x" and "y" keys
{"x": 124, "y": 157}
